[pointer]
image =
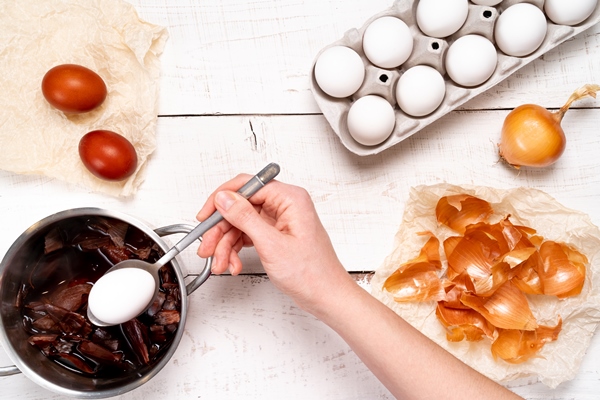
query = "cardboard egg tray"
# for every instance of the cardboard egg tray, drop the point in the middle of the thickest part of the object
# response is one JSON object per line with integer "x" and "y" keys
{"x": 429, "y": 51}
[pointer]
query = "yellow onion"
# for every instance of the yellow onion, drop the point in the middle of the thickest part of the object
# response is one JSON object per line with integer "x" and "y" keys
{"x": 517, "y": 346}
{"x": 532, "y": 136}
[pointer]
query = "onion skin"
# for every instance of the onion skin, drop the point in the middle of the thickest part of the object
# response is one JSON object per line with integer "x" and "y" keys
{"x": 492, "y": 270}
{"x": 464, "y": 324}
{"x": 459, "y": 211}
{"x": 532, "y": 136}
{"x": 417, "y": 279}
{"x": 517, "y": 346}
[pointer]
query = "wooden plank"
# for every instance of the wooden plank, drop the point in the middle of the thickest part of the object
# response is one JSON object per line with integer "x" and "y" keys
{"x": 239, "y": 57}
{"x": 359, "y": 199}
{"x": 244, "y": 339}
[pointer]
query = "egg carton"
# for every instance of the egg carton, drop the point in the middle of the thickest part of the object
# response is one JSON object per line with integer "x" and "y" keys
{"x": 429, "y": 51}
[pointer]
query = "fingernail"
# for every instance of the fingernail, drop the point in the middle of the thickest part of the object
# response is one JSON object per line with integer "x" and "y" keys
{"x": 231, "y": 271}
{"x": 225, "y": 200}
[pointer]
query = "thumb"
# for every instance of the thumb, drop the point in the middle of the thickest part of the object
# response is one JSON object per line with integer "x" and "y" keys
{"x": 240, "y": 213}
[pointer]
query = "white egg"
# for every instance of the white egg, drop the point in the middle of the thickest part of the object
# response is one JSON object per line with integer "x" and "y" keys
{"x": 441, "y": 18}
{"x": 121, "y": 295}
{"x": 420, "y": 90}
{"x": 572, "y": 12}
{"x": 387, "y": 42}
{"x": 471, "y": 60}
{"x": 339, "y": 71}
{"x": 520, "y": 29}
{"x": 371, "y": 120}
{"x": 487, "y": 2}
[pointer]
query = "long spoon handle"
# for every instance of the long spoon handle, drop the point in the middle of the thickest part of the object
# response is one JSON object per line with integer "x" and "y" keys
{"x": 252, "y": 186}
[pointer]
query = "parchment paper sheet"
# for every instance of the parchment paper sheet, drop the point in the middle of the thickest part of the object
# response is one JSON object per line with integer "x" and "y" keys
{"x": 106, "y": 36}
{"x": 559, "y": 360}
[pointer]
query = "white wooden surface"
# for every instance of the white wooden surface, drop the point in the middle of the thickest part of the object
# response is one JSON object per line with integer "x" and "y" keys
{"x": 234, "y": 96}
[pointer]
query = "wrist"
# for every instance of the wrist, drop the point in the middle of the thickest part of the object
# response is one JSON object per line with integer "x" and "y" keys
{"x": 330, "y": 301}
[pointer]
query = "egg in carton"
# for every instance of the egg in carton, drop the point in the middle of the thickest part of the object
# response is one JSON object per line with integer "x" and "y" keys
{"x": 384, "y": 82}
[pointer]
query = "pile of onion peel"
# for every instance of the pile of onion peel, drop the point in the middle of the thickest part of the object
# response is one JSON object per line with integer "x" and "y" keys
{"x": 532, "y": 136}
{"x": 492, "y": 268}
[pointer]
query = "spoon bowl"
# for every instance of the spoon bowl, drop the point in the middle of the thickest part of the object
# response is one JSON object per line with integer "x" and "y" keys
{"x": 134, "y": 285}
{"x": 128, "y": 288}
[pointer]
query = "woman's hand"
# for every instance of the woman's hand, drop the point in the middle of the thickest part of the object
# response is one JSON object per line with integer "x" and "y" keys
{"x": 281, "y": 222}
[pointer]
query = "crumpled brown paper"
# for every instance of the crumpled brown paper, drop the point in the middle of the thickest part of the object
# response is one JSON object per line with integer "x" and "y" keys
{"x": 558, "y": 361}
{"x": 106, "y": 36}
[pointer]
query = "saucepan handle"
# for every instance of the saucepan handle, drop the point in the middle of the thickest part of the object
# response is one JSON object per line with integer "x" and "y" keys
{"x": 183, "y": 228}
{"x": 6, "y": 371}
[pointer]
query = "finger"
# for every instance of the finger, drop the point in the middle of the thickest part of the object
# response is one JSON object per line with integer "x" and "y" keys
{"x": 241, "y": 214}
{"x": 224, "y": 249}
{"x": 234, "y": 184}
{"x": 235, "y": 262}
{"x": 211, "y": 238}
{"x": 268, "y": 191}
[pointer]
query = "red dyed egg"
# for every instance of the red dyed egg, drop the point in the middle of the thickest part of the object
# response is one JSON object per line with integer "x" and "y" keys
{"x": 108, "y": 155}
{"x": 74, "y": 89}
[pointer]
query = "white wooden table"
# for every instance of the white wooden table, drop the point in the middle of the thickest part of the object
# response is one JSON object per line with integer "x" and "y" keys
{"x": 235, "y": 96}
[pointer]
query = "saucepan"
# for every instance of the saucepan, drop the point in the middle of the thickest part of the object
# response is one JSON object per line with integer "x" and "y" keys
{"x": 41, "y": 369}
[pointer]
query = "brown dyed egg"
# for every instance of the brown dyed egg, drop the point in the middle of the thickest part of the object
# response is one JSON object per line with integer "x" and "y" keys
{"x": 108, "y": 155}
{"x": 72, "y": 88}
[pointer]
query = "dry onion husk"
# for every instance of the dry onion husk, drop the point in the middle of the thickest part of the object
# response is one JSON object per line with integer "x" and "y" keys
{"x": 417, "y": 279}
{"x": 506, "y": 308}
{"x": 491, "y": 255}
{"x": 486, "y": 258}
{"x": 556, "y": 362}
{"x": 517, "y": 346}
{"x": 464, "y": 324}
{"x": 459, "y": 211}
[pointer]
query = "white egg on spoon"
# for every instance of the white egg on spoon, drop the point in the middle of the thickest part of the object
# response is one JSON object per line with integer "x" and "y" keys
{"x": 387, "y": 42}
{"x": 116, "y": 300}
{"x": 572, "y": 12}
{"x": 339, "y": 71}
{"x": 520, "y": 29}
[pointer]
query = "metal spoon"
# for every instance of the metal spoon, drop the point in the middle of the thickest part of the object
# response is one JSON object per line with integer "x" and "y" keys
{"x": 251, "y": 187}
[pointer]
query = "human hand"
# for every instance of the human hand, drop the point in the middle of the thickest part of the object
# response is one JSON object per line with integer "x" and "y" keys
{"x": 281, "y": 222}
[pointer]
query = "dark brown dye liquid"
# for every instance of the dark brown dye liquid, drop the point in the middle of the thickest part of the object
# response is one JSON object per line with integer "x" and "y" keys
{"x": 85, "y": 253}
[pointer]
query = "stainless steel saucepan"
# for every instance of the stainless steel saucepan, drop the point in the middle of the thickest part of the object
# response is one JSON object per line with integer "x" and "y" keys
{"x": 29, "y": 360}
